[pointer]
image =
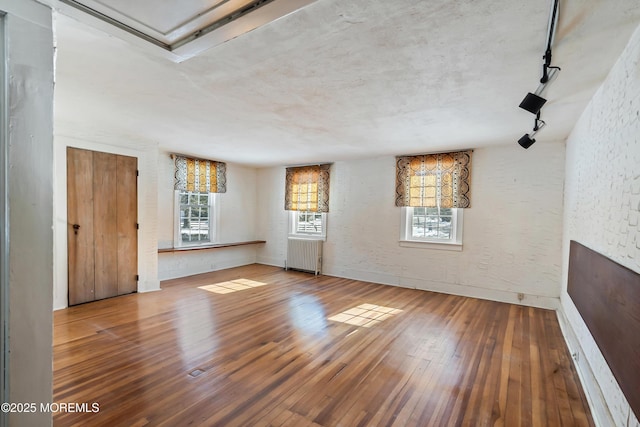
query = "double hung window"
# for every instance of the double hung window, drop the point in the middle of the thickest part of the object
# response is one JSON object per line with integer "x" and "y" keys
{"x": 195, "y": 217}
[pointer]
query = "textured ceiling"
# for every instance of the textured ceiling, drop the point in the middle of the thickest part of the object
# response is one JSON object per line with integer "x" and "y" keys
{"x": 341, "y": 80}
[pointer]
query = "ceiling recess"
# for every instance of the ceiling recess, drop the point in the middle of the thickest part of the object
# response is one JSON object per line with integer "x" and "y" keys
{"x": 182, "y": 28}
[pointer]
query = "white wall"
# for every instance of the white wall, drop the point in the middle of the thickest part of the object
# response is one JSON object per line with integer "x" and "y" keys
{"x": 601, "y": 211}
{"x": 236, "y": 221}
{"x": 29, "y": 42}
{"x": 512, "y": 232}
{"x": 147, "y": 155}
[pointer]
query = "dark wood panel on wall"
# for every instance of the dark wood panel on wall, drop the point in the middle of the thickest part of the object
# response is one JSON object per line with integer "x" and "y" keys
{"x": 607, "y": 295}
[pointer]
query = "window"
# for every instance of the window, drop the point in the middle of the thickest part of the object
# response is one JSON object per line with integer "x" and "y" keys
{"x": 307, "y": 224}
{"x": 431, "y": 226}
{"x": 195, "y": 218}
{"x": 432, "y": 190}
{"x": 306, "y": 188}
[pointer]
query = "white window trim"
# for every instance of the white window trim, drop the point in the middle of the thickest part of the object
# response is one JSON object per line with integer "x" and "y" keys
{"x": 310, "y": 236}
{"x": 214, "y": 210}
{"x": 454, "y": 244}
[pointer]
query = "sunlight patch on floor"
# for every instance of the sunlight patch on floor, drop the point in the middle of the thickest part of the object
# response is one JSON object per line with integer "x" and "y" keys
{"x": 232, "y": 286}
{"x": 365, "y": 315}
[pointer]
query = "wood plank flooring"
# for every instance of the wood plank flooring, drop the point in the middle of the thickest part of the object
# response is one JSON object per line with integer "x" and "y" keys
{"x": 258, "y": 346}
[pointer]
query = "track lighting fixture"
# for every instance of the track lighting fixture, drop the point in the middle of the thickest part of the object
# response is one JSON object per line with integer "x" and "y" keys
{"x": 533, "y": 102}
{"x": 527, "y": 140}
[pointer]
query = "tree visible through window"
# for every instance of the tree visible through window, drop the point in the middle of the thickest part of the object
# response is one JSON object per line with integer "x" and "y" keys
{"x": 195, "y": 217}
{"x": 432, "y": 223}
{"x": 307, "y": 224}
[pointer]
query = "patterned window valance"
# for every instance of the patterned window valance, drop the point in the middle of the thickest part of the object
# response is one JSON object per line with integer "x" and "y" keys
{"x": 200, "y": 176}
{"x": 434, "y": 180}
{"x": 307, "y": 188}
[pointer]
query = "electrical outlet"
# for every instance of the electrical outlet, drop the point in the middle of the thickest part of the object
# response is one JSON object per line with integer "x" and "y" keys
{"x": 576, "y": 356}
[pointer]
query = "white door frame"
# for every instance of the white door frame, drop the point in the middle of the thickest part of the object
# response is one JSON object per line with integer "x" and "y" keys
{"x": 4, "y": 224}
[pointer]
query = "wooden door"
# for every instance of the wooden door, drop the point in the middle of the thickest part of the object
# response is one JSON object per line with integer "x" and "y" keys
{"x": 102, "y": 217}
{"x": 127, "y": 224}
{"x": 80, "y": 242}
{"x": 104, "y": 225}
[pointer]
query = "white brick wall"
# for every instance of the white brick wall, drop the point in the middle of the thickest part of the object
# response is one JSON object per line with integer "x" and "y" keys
{"x": 512, "y": 233}
{"x": 237, "y": 219}
{"x": 602, "y": 204}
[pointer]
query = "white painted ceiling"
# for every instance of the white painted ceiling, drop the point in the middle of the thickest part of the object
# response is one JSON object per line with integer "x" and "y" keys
{"x": 342, "y": 80}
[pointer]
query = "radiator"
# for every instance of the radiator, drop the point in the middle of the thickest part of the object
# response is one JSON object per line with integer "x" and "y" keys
{"x": 304, "y": 254}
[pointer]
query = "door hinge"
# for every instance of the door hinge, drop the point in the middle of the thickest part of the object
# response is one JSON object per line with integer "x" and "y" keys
{"x": 137, "y": 226}
{"x": 137, "y": 278}
{"x": 137, "y": 172}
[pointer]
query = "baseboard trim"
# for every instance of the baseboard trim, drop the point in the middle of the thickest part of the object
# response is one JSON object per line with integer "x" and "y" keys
{"x": 595, "y": 398}
{"x": 274, "y": 262}
{"x": 530, "y": 300}
{"x": 219, "y": 265}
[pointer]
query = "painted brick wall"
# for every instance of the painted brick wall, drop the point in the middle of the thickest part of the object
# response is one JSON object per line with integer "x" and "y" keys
{"x": 512, "y": 233}
{"x": 602, "y": 205}
{"x": 237, "y": 212}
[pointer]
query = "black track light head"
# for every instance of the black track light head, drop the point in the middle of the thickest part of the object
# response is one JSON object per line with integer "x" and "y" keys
{"x": 532, "y": 103}
{"x": 526, "y": 141}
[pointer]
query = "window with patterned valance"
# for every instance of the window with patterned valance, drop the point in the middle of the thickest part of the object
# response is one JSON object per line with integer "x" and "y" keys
{"x": 307, "y": 188}
{"x": 434, "y": 180}
{"x": 200, "y": 176}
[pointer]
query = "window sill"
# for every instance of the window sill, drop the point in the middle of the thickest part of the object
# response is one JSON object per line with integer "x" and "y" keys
{"x": 307, "y": 237}
{"x": 213, "y": 246}
{"x": 442, "y": 246}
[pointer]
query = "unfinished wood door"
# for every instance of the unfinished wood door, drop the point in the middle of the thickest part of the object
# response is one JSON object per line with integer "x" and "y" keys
{"x": 127, "y": 226}
{"x": 102, "y": 218}
{"x": 80, "y": 242}
{"x": 104, "y": 225}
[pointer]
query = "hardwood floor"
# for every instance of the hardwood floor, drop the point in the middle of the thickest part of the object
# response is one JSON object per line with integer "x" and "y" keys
{"x": 258, "y": 346}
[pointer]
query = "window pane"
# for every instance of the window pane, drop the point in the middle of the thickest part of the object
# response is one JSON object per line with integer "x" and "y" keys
{"x": 444, "y": 232}
{"x": 194, "y": 217}
{"x": 201, "y": 232}
{"x": 308, "y": 223}
{"x": 427, "y": 223}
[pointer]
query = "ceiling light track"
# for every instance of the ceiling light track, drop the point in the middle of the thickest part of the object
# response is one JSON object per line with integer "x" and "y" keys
{"x": 533, "y": 102}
